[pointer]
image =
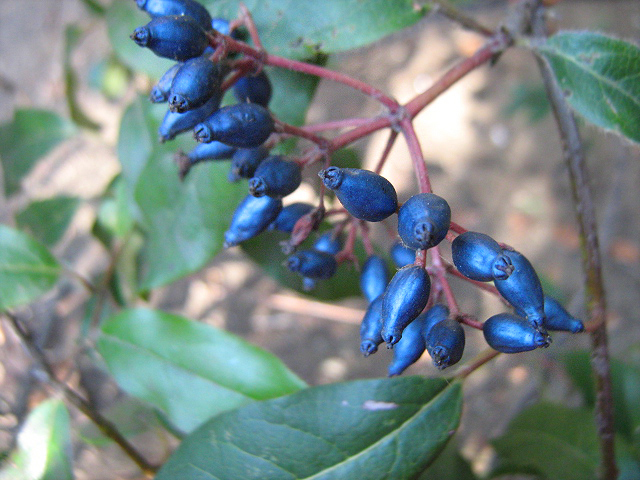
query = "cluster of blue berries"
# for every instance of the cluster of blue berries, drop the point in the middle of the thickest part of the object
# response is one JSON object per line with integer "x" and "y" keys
{"x": 402, "y": 311}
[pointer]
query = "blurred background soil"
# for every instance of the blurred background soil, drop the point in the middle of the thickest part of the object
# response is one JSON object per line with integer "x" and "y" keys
{"x": 498, "y": 163}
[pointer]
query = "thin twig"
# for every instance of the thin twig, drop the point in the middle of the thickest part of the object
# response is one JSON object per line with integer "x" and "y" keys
{"x": 457, "y": 16}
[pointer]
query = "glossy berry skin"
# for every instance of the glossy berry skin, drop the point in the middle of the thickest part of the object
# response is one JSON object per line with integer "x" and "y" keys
{"x": 508, "y": 333}
{"x": 245, "y": 125}
{"x": 253, "y": 89}
{"x": 203, "y": 152}
{"x": 557, "y": 319}
{"x": 175, "y": 123}
{"x": 445, "y": 343}
{"x": 423, "y": 221}
{"x": 251, "y": 217}
{"x": 161, "y": 8}
{"x": 374, "y": 277}
{"x": 371, "y": 328}
{"x": 523, "y": 289}
{"x": 160, "y": 91}
{"x": 195, "y": 82}
{"x": 401, "y": 255}
{"x": 276, "y": 177}
{"x": 403, "y": 300}
{"x": 312, "y": 264}
{"x": 366, "y": 195}
{"x": 245, "y": 162}
{"x": 177, "y": 37}
{"x": 329, "y": 243}
{"x": 436, "y": 314}
{"x": 289, "y": 215}
{"x": 409, "y": 348}
{"x": 479, "y": 257}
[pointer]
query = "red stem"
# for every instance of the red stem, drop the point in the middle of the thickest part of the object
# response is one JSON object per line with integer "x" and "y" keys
{"x": 457, "y": 228}
{"x": 387, "y": 149}
{"x": 337, "y": 124}
{"x": 442, "y": 280}
{"x": 419, "y": 165}
{"x": 469, "y": 321}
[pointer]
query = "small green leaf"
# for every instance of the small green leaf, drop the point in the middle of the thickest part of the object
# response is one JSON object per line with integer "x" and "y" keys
{"x": 188, "y": 370}
{"x": 27, "y": 269}
{"x": 599, "y": 76}
{"x": 47, "y": 220}
{"x": 44, "y": 446}
{"x": 367, "y": 429}
{"x": 31, "y": 135}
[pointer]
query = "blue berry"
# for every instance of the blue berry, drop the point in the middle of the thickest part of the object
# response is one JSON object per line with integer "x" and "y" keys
{"x": 409, "y": 348}
{"x": 245, "y": 125}
{"x": 160, "y": 92}
{"x": 374, "y": 277}
{"x": 523, "y": 289}
{"x": 371, "y": 328}
{"x": 479, "y": 257}
{"x": 401, "y": 255}
{"x": 245, "y": 162}
{"x": 276, "y": 177}
{"x": 403, "y": 300}
{"x": 366, "y": 195}
{"x": 175, "y": 123}
{"x": 253, "y": 89}
{"x": 328, "y": 242}
{"x": 177, "y": 37}
{"x": 557, "y": 319}
{"x": 195, "y": 82}
{"x": 289, "y": 215}
{"x": 203, "y": 152}
{"x": 423, "y": 221}
{"x": 312, "y": 264}
{"x": 161, "y": 8}
{"x": 445, "y": 343}
{"x": 433, "y": 316}
{"x": 508, "y": 333}
{"x": 251, "y": 217}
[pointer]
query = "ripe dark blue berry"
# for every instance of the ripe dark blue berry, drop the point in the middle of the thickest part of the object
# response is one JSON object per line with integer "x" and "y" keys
{"x": 423, "y": 221}
{"x": 479, "y": 257}
{"x": 371, "y": 328}
{"x": 433, "y": 316}
{"x": 410, "y": 347}
{"x": 508, "y": 333}
{"x": 401, "y": 255}
{"x": 175, "y": 123}
{"x": 161, "y": 8}
{"x": 276, "y": 177}
{"x": 366, "y": 195}
{"x": 245, "y": 162}
{"x": 445, "y": 343}
{"x": 177, "y": 37}
{"x": 558, "y": 319}
{"x": 289, "y": 215}
{"x": 195, "y": 82}
{"x": 374, "y": 277}
{"x": 245, "y": 125}
{"x": 523, "y": 289}
{"x": 251, "y": 217}
{"x": 253, "y": 89}
{"x": 160, "y": 91}
{"x": 328, "y": 242}
{"x": 203, "y": 152}
{"x": 403, "y": 300}
{"x": 312, "y": 264}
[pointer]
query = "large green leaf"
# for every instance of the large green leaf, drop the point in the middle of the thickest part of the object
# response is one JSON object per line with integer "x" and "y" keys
{"x": 449, "y": 465}
{"x": 47, "y": 220}
{"x": 365, "y": 430}
{"x": 27, "y": 269}
{"x": 44, "y": 446}
{"x": 599, "y": 76}
{"x": 188, "y": 370}
{"x": 31, "y": 135}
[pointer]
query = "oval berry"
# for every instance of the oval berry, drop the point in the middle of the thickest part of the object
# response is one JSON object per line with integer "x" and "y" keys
{"x": 445, "y": 343}
{"x": 523, "y": 289}
{"x": 195, "y": 82}
{"x": 203, "y": 152}
{"x": 403, "y": 300}
{"x": 160, "y": 91}
{"x": 276, "y": 177}
{"x": 508, "y": 333}
{"x": 366, "y": 195}
{"x": 245, "y": 162}
{"x": 557, "y": 319}
{"x": 371, "y": 328}
{"x": 423, "y": 221}
{"x": 374, "y": 277}
{"x": 251, "y": 217}
{"x": 289, "y": 215}
{"x": 177, "y": 37}
{"x": 175, "y": 123}
{"x": 433, "y": 316}
{"x": 479, "y": 257}
{"x": 401, "y": 255}
{"x": 409, "y": 348}
{"x": 253, "y": 89}
{"x": 312, "y": 264}
{"x": 328, "y": 242}
{"x": 191, "y": 8}
{"x": 245, "y": 125}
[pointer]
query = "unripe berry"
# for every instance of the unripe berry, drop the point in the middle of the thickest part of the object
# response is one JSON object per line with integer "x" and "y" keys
{"x": 276, "y": 177}
{"x": 177, "y": 37}
{"x": 160, "y": 92}
{"x": 245, "y": 162}
{"x": 366, "y": 195}
{"x": 374, "y": 277}
{"x": 409, "y": 348}
{"x": 401, "y": 255}
{"x": 161, "y": 8}
{"x": 371, "y": 328}
{"x": 289, "y": 215}
{"x": 175, "y": 123}
{"x": 508, "y": 333}
{"x": 245, "y": 125}
{"x": 312, "y": 264}
{"x": 253, "y": 89}
{"x": 479, "y": 257}
{"x": 445, "y": 343}
{"x": 195, "y": 82}
{"x": 403, "y": 300}
{"x": 251, "y": 217}
{"x": 423, "y": 221}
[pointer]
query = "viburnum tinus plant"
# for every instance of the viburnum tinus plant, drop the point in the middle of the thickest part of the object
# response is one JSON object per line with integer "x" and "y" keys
{"x": 239, "y": 411}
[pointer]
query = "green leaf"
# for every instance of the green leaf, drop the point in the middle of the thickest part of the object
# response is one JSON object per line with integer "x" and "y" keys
{"x": 292, "y": 94}
{"x": 44, "y": 446}
{"x": 95, "y": 7}
{"x": 365, "y": 430}
{"x": 47, "y": 220}
{"x": 301, "y": 30}
{"x": 32, "y": 134}
{"x": 449, "y": 465}
{"x": 599, "y": 76}
{"x": 188, "y": 370}
{"x": 27, "y": 269}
